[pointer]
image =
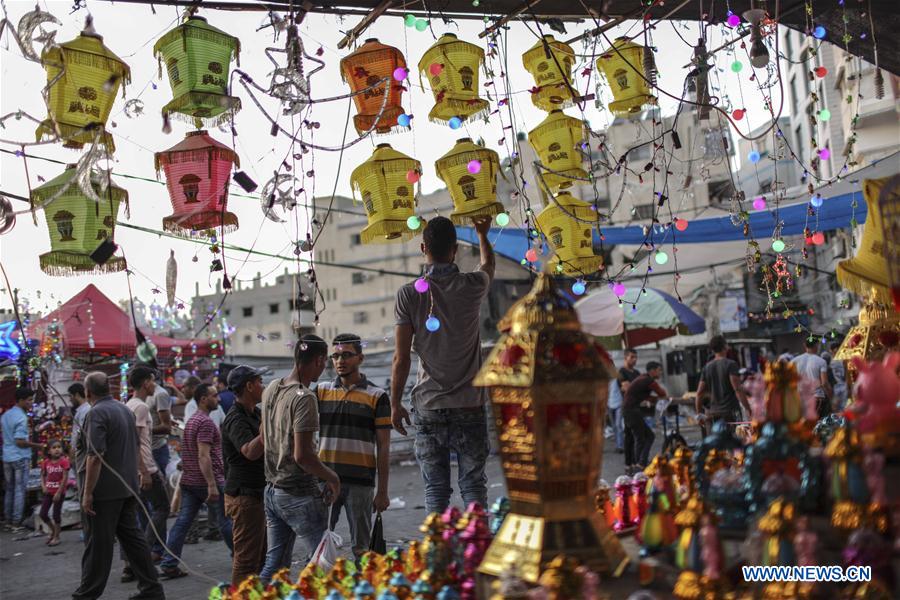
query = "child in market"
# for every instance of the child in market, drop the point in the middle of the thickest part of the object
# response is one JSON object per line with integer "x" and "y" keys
{"x": 54, "y": 480}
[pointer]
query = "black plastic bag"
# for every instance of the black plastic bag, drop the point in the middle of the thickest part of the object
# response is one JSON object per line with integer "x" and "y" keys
{"x": 376, "y": 541}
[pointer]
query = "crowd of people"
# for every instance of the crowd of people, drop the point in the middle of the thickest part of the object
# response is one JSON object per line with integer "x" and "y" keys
{"x": 279, "y": 463}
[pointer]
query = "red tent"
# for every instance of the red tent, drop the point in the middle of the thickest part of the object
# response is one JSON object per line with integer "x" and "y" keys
{"x": 113, "y": 331}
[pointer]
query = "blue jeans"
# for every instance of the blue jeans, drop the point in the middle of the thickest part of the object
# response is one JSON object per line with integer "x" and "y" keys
{"x": 192, "y": 497}
{"x": 161, "y": 457}
{"x": 356, "y": 500}
{"x": 287, "y": 518}
{"x": 15, "y": 476}
{"x": 615, "y": 415}
{"x": 444, "y": 431}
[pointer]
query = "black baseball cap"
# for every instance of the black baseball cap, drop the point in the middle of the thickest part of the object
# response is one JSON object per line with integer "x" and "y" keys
{"x": 241, "y": 374}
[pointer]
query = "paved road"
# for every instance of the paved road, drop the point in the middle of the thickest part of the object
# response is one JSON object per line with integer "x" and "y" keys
{"x": 30, "y": 570}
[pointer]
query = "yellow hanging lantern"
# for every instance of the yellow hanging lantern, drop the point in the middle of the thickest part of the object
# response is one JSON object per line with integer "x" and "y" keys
{"x": 470, "y": 172}
{"x": 557, "y": 142}
{"x": 386, "y": 183}
{"x": 451, "y": 66}
{"x": 89, "y": 75}
{"x": 571, "y": 240}
{"x": 550, "y": 63}
{"x": 621, "y": 64}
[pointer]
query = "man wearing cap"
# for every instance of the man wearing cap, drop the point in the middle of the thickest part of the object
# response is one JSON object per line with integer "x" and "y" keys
{"x": 17, "y": 447}
{"x": 245, "y": 479}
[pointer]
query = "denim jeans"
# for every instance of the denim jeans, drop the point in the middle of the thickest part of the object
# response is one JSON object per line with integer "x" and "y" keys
{"x": 287, "y": 518}
{"x": 357, "y": 501}
{"x": 161, "y": 457}
{"x": 439, "y": 433}
{"x": 615, "y": 415}
{"x": 15, "y": 477}
{"x": 192, "y": 497}
{"x": 157, "y": 499}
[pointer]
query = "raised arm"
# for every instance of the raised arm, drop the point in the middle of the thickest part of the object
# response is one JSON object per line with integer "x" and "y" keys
{"x": 488, "y": 261}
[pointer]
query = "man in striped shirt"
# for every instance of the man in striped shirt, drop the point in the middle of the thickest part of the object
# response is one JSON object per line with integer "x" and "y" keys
{"x": 355, "y": 439}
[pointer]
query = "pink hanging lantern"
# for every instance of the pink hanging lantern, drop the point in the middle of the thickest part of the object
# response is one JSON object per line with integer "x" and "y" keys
{"x": 198, "y": 170}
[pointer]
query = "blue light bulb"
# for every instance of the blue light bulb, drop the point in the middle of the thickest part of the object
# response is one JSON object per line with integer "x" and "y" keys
{"x": 432, "y": 324}
{"x": 578, "y": 288}
{"x": 819, "y": 32}
{"x": 404, "y": 120}
{"x": 455, "y": 122}
{"x": 753, "y": 157}
{"x": 816, "y": 201}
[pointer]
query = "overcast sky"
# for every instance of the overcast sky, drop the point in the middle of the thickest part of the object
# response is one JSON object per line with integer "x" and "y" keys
{"x": 130, "y": 31}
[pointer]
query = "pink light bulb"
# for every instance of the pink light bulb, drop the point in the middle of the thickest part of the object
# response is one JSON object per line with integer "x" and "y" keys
{"x": 681, "y": 224}
{"x": 619, "y": 289}
{"x": 435, "y": 69}
{"x": 421, "y": 285}
{"x": 412, "y": 176}
{"x": 733, "y": 20}
{"x": 474, "y": 166}
{"x": 759, "y": 203}
{"x": 531, "y": 255}
{"x": 824, "y": 154}
{"x": 400, "y": 73}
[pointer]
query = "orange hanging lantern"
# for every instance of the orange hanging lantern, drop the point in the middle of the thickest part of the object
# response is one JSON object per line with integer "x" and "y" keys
{"x": 89, "y": 75}
{"x": 557, "y": 141}
{"x": 470, "y": 172}
{"x": 451, "y": 66}
{"x": 198, "y": 170}
{"x": 365, "y": 68}
{"x": 550, "y": 63}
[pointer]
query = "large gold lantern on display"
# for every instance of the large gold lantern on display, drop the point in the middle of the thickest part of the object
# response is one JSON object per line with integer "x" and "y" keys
{"x": 572, "y": 240}
{"x": 371, "y": 63}
{"x": 89, "y": 76}
{"x": 867, "y": 274}
{"x": 548, "y": 386}
{"x": 77, "y": 224}
{"x": 470, "y": 172}
{"x": 550, "y": 63}
{"x": 197, "y": 59}
{"x": 451, "y": 66}
{"x": 622, "y": 64}
{"x": 557, "y": 141}
{"x": 386, "y": 183}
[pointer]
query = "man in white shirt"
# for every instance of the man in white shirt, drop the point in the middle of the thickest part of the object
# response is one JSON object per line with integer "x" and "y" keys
{"x": 812, "y": 366}
{"x": 153, "y": 487}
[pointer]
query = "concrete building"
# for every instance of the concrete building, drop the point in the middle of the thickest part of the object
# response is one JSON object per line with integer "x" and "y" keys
{"x": 266, "y": 317}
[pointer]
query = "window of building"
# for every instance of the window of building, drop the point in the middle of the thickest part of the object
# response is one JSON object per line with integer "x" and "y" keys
{"x": 227, "y": 312}
{"x": 640, "y": 153}
{"x": 383, "y": 312}
{"x": 334, "y": 294}
{"x": 274, "y": 336}
{"x": 794, "y": 97}
{"x": 788, "y": 43}
{"x": 355, "y": 240}
{"x": 247, "y": 311}
{"x": 798, "y": 140}
{"x": 357, "y": 278}
{"x": 720, "y": 191}
{"x": 247, "y": 339}
{"x": 644, "y": 211}
{"x": 360, "y": 318}
{"x": 273, "y": 308}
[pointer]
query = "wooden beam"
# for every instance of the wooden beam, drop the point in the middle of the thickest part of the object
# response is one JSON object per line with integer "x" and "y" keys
{"x": 367, "y": 20}
{"x": 503, "y": 21}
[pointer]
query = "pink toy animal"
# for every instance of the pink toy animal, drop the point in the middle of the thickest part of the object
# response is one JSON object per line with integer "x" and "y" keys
{"x": 876, "y": 393}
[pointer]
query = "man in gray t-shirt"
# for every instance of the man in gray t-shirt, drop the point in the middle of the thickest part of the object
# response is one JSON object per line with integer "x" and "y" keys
{"x": 441, "y": 324}
{"x": 160, "y": 405}
{"x": 813, "y": 367}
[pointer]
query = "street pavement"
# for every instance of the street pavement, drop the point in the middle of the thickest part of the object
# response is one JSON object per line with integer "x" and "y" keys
{"x": 29, "y": 569}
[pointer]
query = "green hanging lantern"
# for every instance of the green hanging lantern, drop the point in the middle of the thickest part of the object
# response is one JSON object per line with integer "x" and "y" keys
{"x": 197, "y": 58}
{"x": 77, "y": 224}
{"x": 85, "y": 77}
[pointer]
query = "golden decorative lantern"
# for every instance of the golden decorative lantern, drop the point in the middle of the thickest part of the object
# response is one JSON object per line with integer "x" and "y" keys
{"x": 78, "y": 225}
{"x": 550, "y": 63}
{"x": 451, "y": 66}
{"x": 372, "y": 62}
{"x": 197, "y": 57}
{"x": 867, "y": 274}
{"x": 548, "y": 386}
{"x": 557, "y": 141}
{"x": 572, "y": 241}
{"x": 622, "y": 64}
{"x": 383, "y": 181}
{"x": 470, "y": 172}
{"x": 89, "y": 79}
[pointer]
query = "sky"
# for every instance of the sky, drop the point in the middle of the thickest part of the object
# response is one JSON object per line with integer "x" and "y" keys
{"x": 130, "y": 31}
